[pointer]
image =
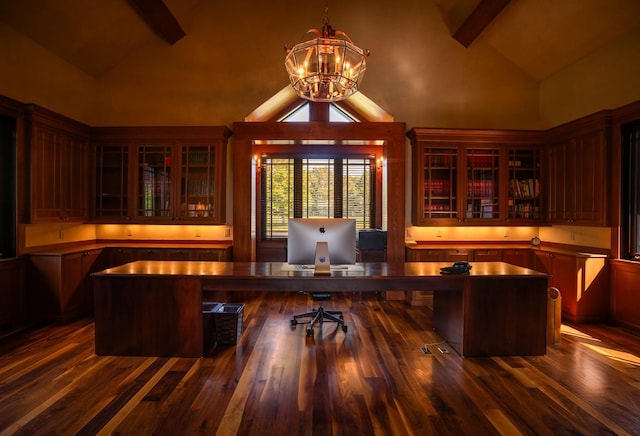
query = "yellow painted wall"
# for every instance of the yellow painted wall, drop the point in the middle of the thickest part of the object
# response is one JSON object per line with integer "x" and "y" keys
{"x": 606, "y": 79}
{"x": 597, "y": 237}
{"x": 166, "y": 233}
{"x": 32, "y": 74}
{"x": 51, "y": 234}
{"x": 469, "y": 233}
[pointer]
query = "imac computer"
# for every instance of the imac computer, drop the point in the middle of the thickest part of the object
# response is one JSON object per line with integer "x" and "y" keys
{"x": 321, "y": 242}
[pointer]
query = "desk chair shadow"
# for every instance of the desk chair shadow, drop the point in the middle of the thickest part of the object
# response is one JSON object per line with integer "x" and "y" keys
{"x": 319, "y": 315}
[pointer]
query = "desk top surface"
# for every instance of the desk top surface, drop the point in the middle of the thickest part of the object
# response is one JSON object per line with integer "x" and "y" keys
{"x": 267, "y": 270}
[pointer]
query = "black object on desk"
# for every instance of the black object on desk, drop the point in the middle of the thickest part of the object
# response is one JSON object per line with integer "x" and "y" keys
{"x": 456, "y": 268}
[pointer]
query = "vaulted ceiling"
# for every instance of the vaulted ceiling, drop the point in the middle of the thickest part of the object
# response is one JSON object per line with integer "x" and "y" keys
{"x": 539, "y": 36}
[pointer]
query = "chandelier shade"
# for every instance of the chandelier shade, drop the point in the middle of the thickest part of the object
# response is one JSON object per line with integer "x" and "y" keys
{"x": 327, "y": 68}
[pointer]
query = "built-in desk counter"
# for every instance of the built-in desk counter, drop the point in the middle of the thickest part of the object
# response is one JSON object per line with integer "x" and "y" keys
{"x": 155, "y": 307}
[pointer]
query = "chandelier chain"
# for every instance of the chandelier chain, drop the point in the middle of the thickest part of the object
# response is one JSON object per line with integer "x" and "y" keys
{"x": 325, "y": 20}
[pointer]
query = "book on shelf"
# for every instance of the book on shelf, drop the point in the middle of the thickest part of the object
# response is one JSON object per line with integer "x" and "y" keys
{"x": 526, "y": 188}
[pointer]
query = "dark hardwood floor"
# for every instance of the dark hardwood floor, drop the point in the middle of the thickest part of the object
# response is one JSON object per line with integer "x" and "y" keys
{"x": 372, "y": 380}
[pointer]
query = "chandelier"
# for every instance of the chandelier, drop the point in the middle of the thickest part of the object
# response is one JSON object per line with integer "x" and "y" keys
{"x": 326, "y": 68}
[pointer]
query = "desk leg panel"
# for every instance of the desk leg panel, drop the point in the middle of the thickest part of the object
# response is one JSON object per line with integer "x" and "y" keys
{"x": 505, "y": 317}
{"x": 148, "y": 317}
{"x": 448, "y": 317}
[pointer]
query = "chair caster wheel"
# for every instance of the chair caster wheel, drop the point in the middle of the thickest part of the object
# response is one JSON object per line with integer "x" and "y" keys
{"x": 294, "y": 323}
{"x": 309, "y": 332}
{"x": 344, "y": 328}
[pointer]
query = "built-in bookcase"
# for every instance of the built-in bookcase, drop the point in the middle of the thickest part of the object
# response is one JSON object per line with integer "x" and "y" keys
{"x": 439, "y": 183}
{"x": 524, "y": 184}
{"x": 162, "y": 175}
{"x": 475, "y": 177}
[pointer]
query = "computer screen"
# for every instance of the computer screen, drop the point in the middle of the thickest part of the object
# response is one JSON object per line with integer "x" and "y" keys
{"x": 305, "y": 233}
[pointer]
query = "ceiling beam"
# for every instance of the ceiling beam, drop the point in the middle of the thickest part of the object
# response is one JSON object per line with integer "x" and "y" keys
{"x": 159, "y": 18}
{"x": 478, "y": 20}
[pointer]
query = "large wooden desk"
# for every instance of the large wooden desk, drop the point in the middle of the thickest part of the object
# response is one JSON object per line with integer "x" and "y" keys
{"x": 154, "y": 308}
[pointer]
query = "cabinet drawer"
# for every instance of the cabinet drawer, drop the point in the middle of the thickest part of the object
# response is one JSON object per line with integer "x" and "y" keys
{"x": 487, "y": 255}
{"x": 457, "y": 255}
{"x": 419, "y": 255}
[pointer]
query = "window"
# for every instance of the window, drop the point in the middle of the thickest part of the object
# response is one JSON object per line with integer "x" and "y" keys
{"x": 309, "y": 187}
{"x": 630, "y": 216}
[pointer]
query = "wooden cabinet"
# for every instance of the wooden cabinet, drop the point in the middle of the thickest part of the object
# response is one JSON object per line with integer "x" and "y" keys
{"x": 578, "y": 177}
{"x": 424, "y": 255}
{"x": 583, "y": 281}
{"x": 625, "y": 293}
{"x": 12, "y": 295}
{"x": 121, "y": 255}
{"x": 487, "y": 255}
{"x": 59, "y": 166}
{"x": 524, "y": 201}
{"x": 458, "y": 255}
{"x": 60, "y": 288}
{"x": 436, "y": 177}
{"x": 160, "y": 175}
{"x": 110, "y": 200}
{"x": 475, "y": 177}
{"x": 211, "y": 254}
{"x": 519, "y": 257}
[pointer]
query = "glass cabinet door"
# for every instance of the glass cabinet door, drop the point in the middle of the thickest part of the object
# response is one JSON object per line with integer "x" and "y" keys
{"x": 111, "y": 195}
{"x": 524, "y": 184}
{"x": 154, "y": 182}
{"x": 197, "y": 182}
{"x": 482, "y": 199}
{"x": 440, "y": 168}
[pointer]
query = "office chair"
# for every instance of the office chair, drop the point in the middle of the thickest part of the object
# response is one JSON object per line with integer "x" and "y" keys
{"x": 319, "y": 315}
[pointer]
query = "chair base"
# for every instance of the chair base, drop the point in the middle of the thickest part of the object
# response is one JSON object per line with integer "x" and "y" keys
{"x": 318, "y": 316}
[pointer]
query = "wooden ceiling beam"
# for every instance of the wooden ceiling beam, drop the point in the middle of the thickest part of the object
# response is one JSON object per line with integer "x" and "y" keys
{"x": 159, "y": 18}
{"x": 478, "y": 20}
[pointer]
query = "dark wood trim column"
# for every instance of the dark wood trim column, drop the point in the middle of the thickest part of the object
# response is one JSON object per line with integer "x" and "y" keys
{"x": 246, "y": 134}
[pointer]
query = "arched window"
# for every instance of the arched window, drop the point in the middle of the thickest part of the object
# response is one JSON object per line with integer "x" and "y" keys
{"x": 307, "y": 184}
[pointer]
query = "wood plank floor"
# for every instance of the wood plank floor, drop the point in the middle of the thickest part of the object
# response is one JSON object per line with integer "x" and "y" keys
{"x": 372, "y": 380}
